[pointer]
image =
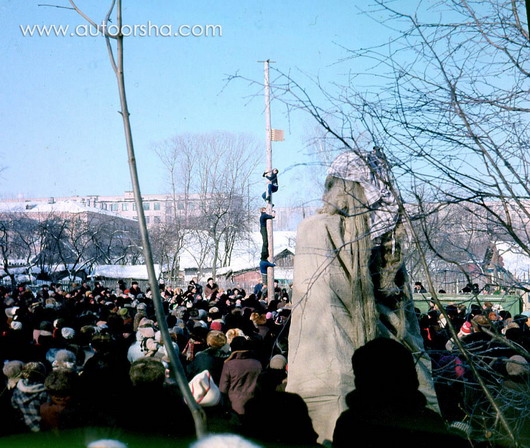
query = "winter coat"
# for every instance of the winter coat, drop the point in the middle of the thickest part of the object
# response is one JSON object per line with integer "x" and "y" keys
{"x": 239, "y": 379}
{"x": 211, "y": 359}
{"x": 27, "y": 399}
{"x": 395, "y": 422}
{"x": 209, "y": 290}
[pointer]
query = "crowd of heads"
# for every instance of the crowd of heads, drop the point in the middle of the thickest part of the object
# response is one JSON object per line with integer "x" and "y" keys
{"x": 91, "y": 354}
{"x": 479, "y": 339}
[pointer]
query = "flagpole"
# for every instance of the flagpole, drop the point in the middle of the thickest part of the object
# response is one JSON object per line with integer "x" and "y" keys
{"x": 268, "y": 140}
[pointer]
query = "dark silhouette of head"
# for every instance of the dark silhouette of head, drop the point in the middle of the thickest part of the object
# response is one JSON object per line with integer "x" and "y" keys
{"x": 385, "y": 370}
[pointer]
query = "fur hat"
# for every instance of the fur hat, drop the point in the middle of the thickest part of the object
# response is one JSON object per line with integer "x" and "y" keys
{"x": 147, "y": 371}
{"x": 141, "y": 306}
{"x": 480, "y": 321}
{"x": 201, "y": 323}
{"x": 258, "y": 319}
{"x": 517, "y": 366}
{"x": 64, "y": 359}
{"x": 34, "y": 372}
{"x": 232, "y": 333}
{"x": 221, "y": 441}
{"x": 216, "y": 339}
{"x": 278, "y": 362}
{"x": 12, "y": 370}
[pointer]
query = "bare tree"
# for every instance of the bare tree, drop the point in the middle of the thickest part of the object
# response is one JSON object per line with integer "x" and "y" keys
{"x": 116, "y": 62}
{"x": 211, "y": 177}
{"x": 447, "y": 97}
{"x": 18, "y": 242}
{"x": 168, "y": 241}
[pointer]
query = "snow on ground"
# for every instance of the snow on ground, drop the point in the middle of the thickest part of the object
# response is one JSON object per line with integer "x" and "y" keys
{"x": 246, "y": 254}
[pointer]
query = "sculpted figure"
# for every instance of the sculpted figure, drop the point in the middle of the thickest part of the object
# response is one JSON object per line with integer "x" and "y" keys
{"x": 350, "y": 286}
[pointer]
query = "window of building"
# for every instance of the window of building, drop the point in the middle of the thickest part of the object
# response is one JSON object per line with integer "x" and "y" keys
{"x": 134, "y": 207}
{"x": 114, "y": 207}
{"x": 124, "y": 206}
{"x": 146, "y": 205}
{"x": 157, "y": 219}
{"x": 103, "y": 206}
{"x": 157, "y": 206}
{"x": 180, "y": 205}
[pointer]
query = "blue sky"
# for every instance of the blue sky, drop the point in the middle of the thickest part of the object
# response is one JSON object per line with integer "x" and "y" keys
{"x": 60, "y": 130}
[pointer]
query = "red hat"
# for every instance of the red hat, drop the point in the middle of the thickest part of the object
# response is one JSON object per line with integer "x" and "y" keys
{"x": 466, "y": 329}
{"x": 216, "y": 325}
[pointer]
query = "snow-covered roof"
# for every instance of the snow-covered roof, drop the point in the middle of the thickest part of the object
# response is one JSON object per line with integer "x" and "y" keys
{"x": 72, "y": 207}
{"x": 137, "y": 272}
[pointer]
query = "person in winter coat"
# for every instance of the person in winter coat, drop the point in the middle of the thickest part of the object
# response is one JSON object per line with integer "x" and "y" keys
{"x": 30, "y": 394}
{"x": 211, "y": 359}
{"x": 210, "y": 288}
{"x": 386, "y": 405}
{"x": 272, "y": 186}
{"x": 263, "y": 217}
{"x": 62, "y": 410}
{"x": 240, "y": 375}
{"x": 153, "y": 406}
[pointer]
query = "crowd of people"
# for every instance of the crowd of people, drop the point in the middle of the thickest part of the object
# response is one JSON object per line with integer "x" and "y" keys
{"x": 93, "y": 356}
{"x": 498, "y": 345}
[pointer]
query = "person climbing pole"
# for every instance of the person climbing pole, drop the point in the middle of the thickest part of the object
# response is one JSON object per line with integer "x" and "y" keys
{"x": 264, "y": 216}
{"x": 272, "y": 186}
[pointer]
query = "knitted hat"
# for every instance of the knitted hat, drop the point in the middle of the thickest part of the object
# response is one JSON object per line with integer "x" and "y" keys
{"x": 465, "y": 329}
{"x": 68, "y": 333}
{"x": 16, "y": 325}
{"x": 216, "y": 325}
